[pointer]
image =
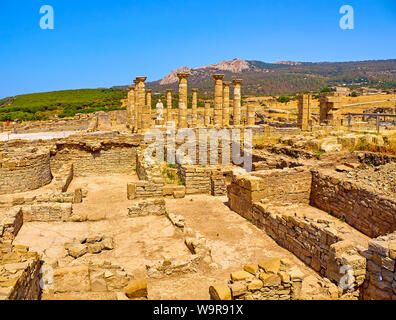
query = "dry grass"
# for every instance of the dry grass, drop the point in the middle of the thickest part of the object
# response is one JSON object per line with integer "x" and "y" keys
{"x": 260, "y": 142}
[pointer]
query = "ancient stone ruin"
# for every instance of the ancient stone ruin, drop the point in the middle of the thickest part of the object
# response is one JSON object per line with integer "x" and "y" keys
{"x": 89, "y": 216}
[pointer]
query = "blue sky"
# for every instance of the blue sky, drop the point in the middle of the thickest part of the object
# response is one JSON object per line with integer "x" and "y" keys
{"x": 101, "y": 43}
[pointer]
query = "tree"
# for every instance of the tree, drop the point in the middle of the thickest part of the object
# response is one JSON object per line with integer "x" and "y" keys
{"x": 325, "y": 89}
{"x": 284, "y": 99}
{"x": 354, "y": 94}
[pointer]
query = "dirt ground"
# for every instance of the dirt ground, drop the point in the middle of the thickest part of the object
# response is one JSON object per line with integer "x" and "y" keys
{"x": 233, "y": 240}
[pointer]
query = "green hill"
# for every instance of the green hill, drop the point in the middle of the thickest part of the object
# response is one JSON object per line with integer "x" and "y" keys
{"x": 66, "y": 103}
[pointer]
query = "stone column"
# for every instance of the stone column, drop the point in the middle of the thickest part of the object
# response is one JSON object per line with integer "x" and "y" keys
{"x": 130, "y": 107}
{"x": 182, "y": 99}
{"x": 137, "y": 113}
{"x": 207, "y": 114}
{"x": 251, "y": 115}
{"x": 168, "y": 105}
{"x": 194, "y": 107}
{"x": 218, "y": 99}
{"x": 226, "y": 104}
{"x": 304, "y": 120}
{"x": 237, "y": 101}
{"x": 148, "y": 101}
{"x": 141, "y": 98}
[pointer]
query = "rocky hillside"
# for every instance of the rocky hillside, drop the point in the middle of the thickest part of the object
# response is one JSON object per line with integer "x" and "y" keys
{"x": 286, "y": 77}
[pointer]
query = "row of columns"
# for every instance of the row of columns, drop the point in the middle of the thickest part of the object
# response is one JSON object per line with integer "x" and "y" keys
{"x": 139, "y": 104}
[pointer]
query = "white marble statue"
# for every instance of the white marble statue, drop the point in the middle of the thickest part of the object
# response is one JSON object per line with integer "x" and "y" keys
{"x": 160, "y": 110}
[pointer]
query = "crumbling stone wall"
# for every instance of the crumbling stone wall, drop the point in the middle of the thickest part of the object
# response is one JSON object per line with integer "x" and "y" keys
{"x": 11, "y": 220}
{"x": 272, "y": 279}
{"x": 280, "y": 186}
{"x": 153, "y": 207}
{"x": 380, "y": 281}
{"x": 19, "y": 273}
{"x": 321, "y": 244}
{"x": 24, "y": 170}
{"x": 360, "y": 205}
{"x": 47, "y": 212}
{"x": 96, "y": 155}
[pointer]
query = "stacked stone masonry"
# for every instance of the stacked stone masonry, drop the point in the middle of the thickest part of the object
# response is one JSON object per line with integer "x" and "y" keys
{"x": 19, "y": 273}
{"x": 24, "y": 170}
{"x": 272, "y": 279}
{"x": 361, "y": 206}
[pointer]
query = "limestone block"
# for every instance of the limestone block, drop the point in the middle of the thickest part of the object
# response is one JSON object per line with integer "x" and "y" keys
{"x": 71, "y": 279}
{"x": 238, "y": 289}
{"x": 240, "y": 275}
{"x": 270, "y": 279}
{"x": 136, "y": 289}
{"x": 76, "y": 250}
{"x": 251, "y": 268}
{"x": 255, "y": 285}
{"x": 271, "y": 265}
{"x": 220, "y": 292}
{"x": 131, "y": 191}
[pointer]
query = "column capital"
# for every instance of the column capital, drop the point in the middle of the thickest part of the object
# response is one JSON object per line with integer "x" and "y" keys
{"x": 218, "y": 76}
{"x": 169, "y": 90}
{"x": 194, "y": 90}
{"x": 149, "y": 90}
{"x": 183, "y": 75}
{"x": 136, "y": 81}
{"x": 141, "y": 79}
{"x": 226, "y": 84}
{"x": 237, "y": 81}
{"x": 130, "y": 87}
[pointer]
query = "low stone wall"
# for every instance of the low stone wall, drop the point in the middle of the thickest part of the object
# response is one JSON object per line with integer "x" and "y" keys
{"x": 88, "y": 278}
{"x": 272, "y": 279}
{"x": 151, "y": 207}
{"x": 196, "y": 179}
{"x": 144, "y": 189}
{"x": 361, "y": 206}
{"x": 47, "y": 212}
{"x": 89, "y": 155}
{"x": 11, "y": 220}
{"x": 323, "y": 245}
{"x": 376, "y": 159}
{"x": 380, "y": 281}
{"x": 211, "y": 179}
{"x": 19, "y": 273}
{"x": 278, "y": 186}
{"x": 24, "y": 170}
{"x": 64, "y": 177}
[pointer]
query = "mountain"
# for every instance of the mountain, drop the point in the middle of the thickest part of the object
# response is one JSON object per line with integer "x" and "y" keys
{"x": 285, "y": 77}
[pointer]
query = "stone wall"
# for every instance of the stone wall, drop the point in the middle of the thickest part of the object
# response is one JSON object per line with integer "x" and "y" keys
{"x": 380, "y": 281}
{"x": 11, "y": 220}
{"x": 24, "y": 170}
{"x": 47, "y": 212}
{"x": 322, "y": 244}
{"x": 278, "y": 186}
{"x": 272, "y": 279}
{"x": 97, "y": 155}
{"x": 19, "y": 273}
{"x": 80, "y": 279}
{"x": 360, "y": 205}
{"x": 153, "y": 207}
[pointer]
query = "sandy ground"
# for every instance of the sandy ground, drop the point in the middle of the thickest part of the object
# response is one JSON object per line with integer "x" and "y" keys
{"x": 139, "y": 241}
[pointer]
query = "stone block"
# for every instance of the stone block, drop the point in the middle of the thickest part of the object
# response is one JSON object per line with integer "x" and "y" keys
{"x": 270, "y": 279}
{"x": 220, "y": 292}
{"x": 136, "y": 289}
{"x": 270, "y": 265}
{"x": 240, "y": 275}
{"x": 238, "y": 289}
{"x": 131, "y": 191}
{"x": 72, "y": 279}
{"x": 251, "y": 268}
